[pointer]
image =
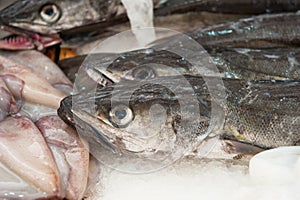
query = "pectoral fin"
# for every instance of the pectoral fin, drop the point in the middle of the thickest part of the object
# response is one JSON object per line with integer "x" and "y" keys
{"x": 241, "y": 148}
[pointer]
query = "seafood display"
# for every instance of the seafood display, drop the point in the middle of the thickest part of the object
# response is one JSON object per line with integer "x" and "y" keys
{"x": 56, "y": 118}
{"x": 260, "y": 49}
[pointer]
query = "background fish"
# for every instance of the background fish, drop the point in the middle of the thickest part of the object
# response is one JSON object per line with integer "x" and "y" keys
{"x": 37, "y": 23}
{"x": 258, "y": 31}
{"x": 52, "y": 16}
{"x": 229, "y": 6}
{"x": 40, "y": 19}
{"x": 242, "y": 63}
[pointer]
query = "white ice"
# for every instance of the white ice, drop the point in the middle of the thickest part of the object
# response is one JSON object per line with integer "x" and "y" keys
{"x": 140, "y": 14}
{"x": 195, "y": 179}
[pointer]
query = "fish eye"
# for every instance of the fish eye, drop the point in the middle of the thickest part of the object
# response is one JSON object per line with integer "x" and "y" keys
{"x": 50, "y": 13}
{"x": 120, "y": 116}
{"x": 142, "y": 73}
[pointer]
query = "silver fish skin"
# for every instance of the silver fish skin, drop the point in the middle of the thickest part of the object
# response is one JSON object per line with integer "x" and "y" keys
{"x": 241, "y": 63}
{"x": 52, "y": 16}
{"x": 262, "y": 31}
{"x": 258, "y": 63}
{"x": 263, "y": 114}
{"x": 229, "y": 6}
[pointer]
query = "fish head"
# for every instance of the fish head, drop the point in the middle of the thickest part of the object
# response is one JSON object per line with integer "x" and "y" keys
{"x": 53, "y": 16}
{"x": 45, "y": 19}
{"x": 136, "y": 65}
{"x": 141, "y": 117}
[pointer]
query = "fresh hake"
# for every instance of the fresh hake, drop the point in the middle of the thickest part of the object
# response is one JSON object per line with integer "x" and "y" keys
{"x": 260, "y": 113}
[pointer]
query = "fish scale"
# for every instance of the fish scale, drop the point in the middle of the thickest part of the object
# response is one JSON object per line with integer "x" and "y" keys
{"x": 260, "y": 113}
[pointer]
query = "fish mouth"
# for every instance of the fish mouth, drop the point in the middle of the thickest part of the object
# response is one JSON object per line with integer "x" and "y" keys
{"x": 97, "y": 131}
{"x": 77, "y": 120}
{"x": 100, "y": 77}
{"x": 19, "y": 39}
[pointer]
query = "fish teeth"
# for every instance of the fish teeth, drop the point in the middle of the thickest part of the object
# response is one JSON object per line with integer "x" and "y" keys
{"x": 15, "y": 40}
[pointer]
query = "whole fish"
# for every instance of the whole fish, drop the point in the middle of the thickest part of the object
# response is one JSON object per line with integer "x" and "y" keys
{"x": 261, "y": 31}
{"x": 53, "y": 16}
{"x": 242, "y": 63}
{"x": 262, "y": 114}
{"x": 229, "y": 6}
{"x": 37, "y": 23}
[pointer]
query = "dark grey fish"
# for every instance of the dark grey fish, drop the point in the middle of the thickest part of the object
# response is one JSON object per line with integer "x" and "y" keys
{"x": 229, "y": 6}
{"x": 43, "y": 20}
{"x": 260, "y": 31}
{"x": 263, "y": 114}
{"x": 241, "y": 63}
{"x": 34, "y": 20}
{"x": 53, "y": 16}
{"x": 258, "y": 63}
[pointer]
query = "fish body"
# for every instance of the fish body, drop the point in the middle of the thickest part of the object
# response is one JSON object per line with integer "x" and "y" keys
{"x": 229, "y": 6}
{"x": 260, "y": 113}
{"x": 241, "y": 63}
{"x": 268, "y": 30}
{"x": 53, "y": 16}
{"x": 39, "y": 23}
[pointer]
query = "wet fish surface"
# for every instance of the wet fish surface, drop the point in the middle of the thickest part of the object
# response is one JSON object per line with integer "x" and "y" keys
{"x": 241, "y": 63}
{"x": 258, "y": 31}
{"x": 229, "y": 6}
{"x": 38, "y": 24}
{"x": 52, "y": 16}
{"x": 260, "y": 113}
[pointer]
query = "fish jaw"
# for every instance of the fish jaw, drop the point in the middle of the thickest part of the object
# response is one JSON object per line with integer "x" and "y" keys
{"x": 24, "y": 40}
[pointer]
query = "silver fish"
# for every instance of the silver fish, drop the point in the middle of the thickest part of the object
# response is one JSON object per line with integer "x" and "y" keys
{"x": 258, "y": 31}
{"x": 262, "y": 114}
{"x": 229, "y": 6}
{"x": 242, "y": 63}
{"x": 37, "y": 23}
{"x": 52, "y": 16}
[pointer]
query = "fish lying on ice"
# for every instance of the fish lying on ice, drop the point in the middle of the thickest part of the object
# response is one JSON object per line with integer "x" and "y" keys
{"x": 242, "y": 63}
{"x": 263, "y": 114}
